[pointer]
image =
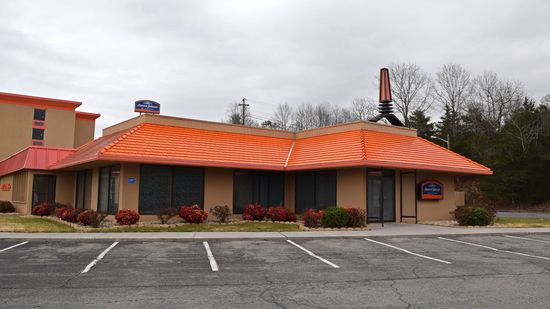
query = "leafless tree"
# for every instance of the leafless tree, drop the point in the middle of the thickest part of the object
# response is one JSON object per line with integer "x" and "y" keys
{"x": 412, "y": 89}
{"x": 304, "y": 117}
{"x": 363, "y": 108}
{"x": 496, "y": 98}
{"x": 283, "y": 116}
{"x": 339, "y": 114}
{"x": 453, "y": 90}
{"x": 322, "y": 115}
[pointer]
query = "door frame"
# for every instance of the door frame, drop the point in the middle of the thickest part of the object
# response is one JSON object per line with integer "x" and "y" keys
{"x": 381, "y": 219}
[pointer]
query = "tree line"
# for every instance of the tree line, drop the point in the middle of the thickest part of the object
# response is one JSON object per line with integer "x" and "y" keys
{"x": 485, "y": 117}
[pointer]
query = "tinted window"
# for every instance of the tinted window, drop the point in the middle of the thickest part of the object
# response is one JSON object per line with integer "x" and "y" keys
{"x": 38, "y": 134}
{"x": 109, "y": 181}
{"x": 83, "y": 189}
{"x": 167, "y": 186}
{"x": 315, "y": 190}
{"x": 39, "y": 114}
{"x": 154, "y": 188}
{"x": 43, "y": 189}
{"x": 257, "y": 187}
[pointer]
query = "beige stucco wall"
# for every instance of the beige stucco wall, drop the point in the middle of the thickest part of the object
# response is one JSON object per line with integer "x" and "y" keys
{"x": 441, "y": 209}
{"x": 218, "y": 188}
{"x": 84, "y": 131}
{"x": 16, "y": 125}
{"x": 290, "y": 196}
{"x": 6, "y": 195}
{"x": 129, "y": 192}
{"x": 351, "y": 188}
{"x": 60, "y": 127}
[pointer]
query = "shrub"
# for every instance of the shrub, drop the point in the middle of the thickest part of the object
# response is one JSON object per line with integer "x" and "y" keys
{"x": 127, "y": 217}
{"x": 6, "y": 207}
{"x": 254, "y": 212}
{"x": 193, "y": 214}
{"x": 42, "y": 209}
{"x": 471, "y": 215}
{"x": 356, "y": 217}
{"x": 71, "y": 214}
{"x": 280, "y": 214}
{"x": 165, "y": 214}
{"x": 335, "y": 217}
{"x": 312, "y": 217}
{"x": 59, "y": 211}
{"x": 222, "y": 213}
{"x": 91, "y": 218}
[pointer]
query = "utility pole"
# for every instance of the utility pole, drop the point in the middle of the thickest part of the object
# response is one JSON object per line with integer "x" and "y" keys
{"x": 244, "y": 105}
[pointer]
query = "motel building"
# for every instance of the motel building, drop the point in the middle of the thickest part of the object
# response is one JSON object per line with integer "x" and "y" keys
{"x": 48, "y": 154}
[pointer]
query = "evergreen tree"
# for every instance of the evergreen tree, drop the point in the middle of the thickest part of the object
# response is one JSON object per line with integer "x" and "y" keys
{"x": 421, "y": 122}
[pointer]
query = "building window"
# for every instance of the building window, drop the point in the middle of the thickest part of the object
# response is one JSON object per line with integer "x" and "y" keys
{"x": 251, "y": 187}
{"x": 39, "y": 114}
{"x": 315, "y": 190}
{"x": 109, "y": 180}
{"x": 163, "y": 186}
{"x": 43, "y": 189}
{"x": 83, "y": 189}
{"x": 38, "y": 134}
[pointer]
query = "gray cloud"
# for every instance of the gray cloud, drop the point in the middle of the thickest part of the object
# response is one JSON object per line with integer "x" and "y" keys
{"x": 195, "y": 57}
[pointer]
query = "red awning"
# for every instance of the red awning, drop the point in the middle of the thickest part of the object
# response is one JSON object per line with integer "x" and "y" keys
{"x": 34, "y": 158}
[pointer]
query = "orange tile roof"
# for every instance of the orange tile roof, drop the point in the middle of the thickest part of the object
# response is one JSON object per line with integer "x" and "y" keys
{"x": 163, "y": 144}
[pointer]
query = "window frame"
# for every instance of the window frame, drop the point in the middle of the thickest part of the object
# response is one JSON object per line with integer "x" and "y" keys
{"x": 315, "y": 185}
{"x": 88, "y": 175}
{"x": 109, "y": 179}
{"x": 257, "y": 186}
{"x": 42, "y": 137}
{"x": 39, "y": 110}
{"x": 172, "y": 184}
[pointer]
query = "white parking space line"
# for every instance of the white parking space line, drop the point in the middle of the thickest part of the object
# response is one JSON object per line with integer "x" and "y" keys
{"x": 313, "y": 254}
{"x": 211, "y": 258}
{"x": 495, "y": 249}
{"x": 530, "y": 239}
{"x": 14, "y": 246}
{"x": 98, "y": 258}
{"x": 409, "y": 252}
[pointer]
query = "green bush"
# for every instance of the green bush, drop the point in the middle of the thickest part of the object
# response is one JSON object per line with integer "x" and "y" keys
{"x": 471, "y": 215}
{"x": 335, "y": 217}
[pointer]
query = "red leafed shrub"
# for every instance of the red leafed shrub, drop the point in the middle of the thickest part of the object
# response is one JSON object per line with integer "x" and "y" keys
{"x": 91, "y": 217}
{"x": 42, "y": 209}
{"x": 127, "y": 217}
{"x": 280, "y": 214}
{"x": 59, "y": 211}
{"x": 312, "y": 217}
{"x": 71, "y": 214}
{"x": 193, "y": 214}
{"x": 254, "y": 212}
{"x": 356, "y": 217}
{"x": 85, "y": 217}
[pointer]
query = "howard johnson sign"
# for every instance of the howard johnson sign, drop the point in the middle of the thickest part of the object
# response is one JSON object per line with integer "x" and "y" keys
{"x": 431, "y": 190}
{"x": 147, "y": 106}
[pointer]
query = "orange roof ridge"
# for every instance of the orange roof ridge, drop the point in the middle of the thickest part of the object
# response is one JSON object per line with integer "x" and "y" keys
{"x": 122, "y": 137}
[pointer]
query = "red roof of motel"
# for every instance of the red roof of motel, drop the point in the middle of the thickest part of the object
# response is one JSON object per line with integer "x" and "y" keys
{"x": 36, "y": 158}
{"x": 164, "y": 144}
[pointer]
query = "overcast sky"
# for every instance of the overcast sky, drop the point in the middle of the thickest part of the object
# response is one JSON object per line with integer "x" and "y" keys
{"x": 196, "y": 57}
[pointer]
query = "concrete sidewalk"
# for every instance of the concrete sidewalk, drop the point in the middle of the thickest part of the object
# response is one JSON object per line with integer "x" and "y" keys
{"x": 390, "y": 229}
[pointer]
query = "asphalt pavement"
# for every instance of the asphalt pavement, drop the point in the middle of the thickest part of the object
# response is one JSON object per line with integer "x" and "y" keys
{"x": 489, "y": 271}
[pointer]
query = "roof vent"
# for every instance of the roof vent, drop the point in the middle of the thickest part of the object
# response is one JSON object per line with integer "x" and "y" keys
{"x": 385, "y": 108}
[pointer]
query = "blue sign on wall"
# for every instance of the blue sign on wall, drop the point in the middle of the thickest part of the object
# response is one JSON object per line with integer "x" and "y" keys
{"x": 431, "y": 190}
{"x": 131, "y": 180}
{"x": 147, "y": 106}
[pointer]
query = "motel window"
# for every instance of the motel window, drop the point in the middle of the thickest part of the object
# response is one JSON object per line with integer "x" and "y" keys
{"x": 109, "y": 180}
{"x": 40, "y": 114}
{"x": 251, "y": 187}
{"x": 162, "y": 186}
{"x": 84, "y": 189}
{"x": 43, "y": 189}
{"x": 315, "y": 190}
{"x": 38, "y": 134}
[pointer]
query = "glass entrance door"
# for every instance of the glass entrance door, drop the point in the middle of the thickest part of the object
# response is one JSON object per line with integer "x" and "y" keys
{"x": 380, "y": 196}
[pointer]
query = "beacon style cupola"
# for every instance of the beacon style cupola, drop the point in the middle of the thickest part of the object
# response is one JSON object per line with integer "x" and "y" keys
{"x": 385, "y": 108}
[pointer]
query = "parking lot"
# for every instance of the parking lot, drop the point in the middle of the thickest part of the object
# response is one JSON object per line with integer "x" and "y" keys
{"x": 455, "y": 271}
